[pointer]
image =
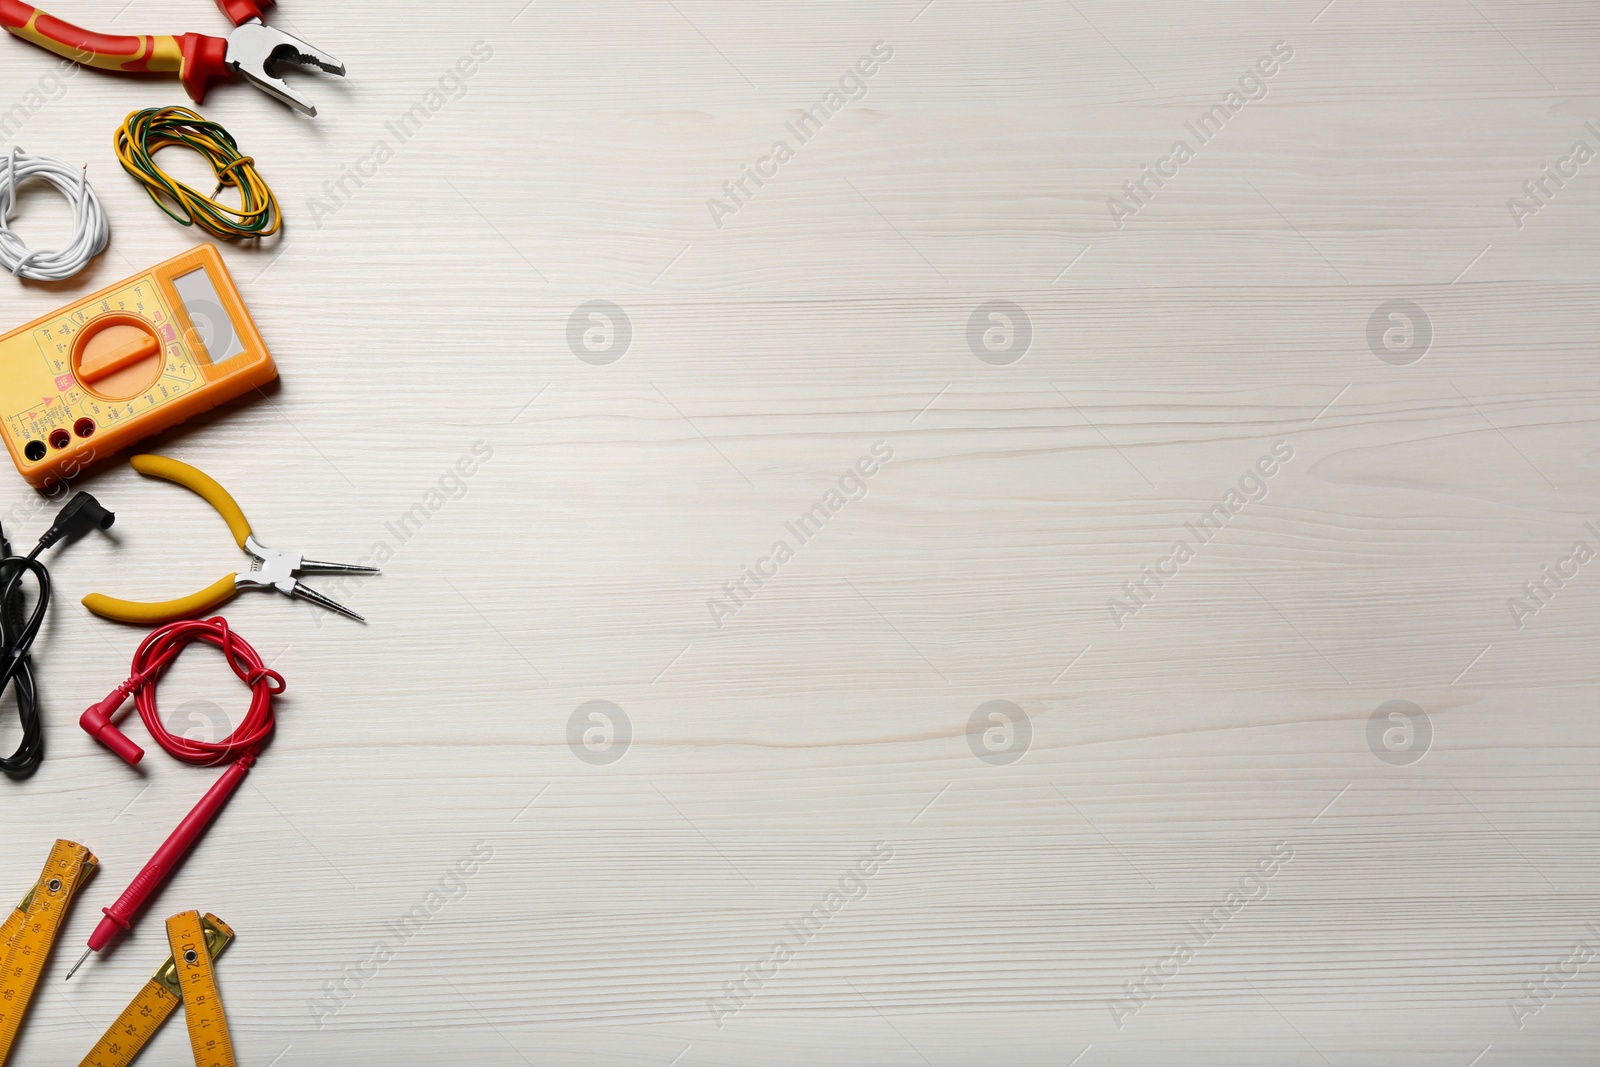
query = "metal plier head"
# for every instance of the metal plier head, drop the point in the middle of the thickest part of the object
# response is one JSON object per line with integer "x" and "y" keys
{"x": 280, "y": 571}
{"x": 255, "y": 50}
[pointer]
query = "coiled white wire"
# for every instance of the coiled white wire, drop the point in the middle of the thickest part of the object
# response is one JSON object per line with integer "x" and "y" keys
{"x": 90, "y": 231}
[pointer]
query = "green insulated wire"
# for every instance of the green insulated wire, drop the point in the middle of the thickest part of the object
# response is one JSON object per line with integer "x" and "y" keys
{"x": 144, "y": 133}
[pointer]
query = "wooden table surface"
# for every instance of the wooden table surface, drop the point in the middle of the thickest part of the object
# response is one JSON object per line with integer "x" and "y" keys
{"x": 914, "y": 533}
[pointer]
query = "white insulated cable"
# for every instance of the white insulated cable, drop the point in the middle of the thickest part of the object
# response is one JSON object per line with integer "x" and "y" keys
{"x": 90, "y": 231}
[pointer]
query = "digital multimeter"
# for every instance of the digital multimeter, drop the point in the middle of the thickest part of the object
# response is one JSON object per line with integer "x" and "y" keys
{"x": 111, "y": 369}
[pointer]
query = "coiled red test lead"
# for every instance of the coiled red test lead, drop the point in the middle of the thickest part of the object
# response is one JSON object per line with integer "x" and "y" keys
{"x": 154, "y": 655}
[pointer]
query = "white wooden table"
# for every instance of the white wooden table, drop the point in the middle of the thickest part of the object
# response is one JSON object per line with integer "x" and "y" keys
{"x": 797, "y": 829}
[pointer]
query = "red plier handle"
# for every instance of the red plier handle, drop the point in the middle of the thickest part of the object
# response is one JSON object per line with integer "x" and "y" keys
{"x": 240, "y": 12}
{"x": 195, "y": 58}
{"x": 253, "y": 50}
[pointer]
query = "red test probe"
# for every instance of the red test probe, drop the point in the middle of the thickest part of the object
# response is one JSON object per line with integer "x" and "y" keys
{"x": 154, "y": 655}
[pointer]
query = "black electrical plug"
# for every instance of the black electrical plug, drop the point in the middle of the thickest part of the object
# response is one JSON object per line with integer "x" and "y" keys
{"x": 20, "y": 625}
{"x": 81, "y": 513}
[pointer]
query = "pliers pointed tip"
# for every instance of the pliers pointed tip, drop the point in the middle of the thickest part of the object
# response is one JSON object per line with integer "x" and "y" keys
{"x": 305, "y": 592}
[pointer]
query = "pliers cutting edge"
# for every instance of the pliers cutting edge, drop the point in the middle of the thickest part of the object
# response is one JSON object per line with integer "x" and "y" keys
{"x": 252, "y": 50}
{"x": 268, "y": 570}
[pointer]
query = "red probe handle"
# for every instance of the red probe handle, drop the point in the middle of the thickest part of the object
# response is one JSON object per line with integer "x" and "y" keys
{"x": 120, "y": 915}
{"x": 241, "y": 11}
{"x": 195, "y": 58}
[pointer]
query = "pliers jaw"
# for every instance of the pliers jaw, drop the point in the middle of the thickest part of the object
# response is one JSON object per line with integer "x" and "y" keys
{"x": 270, "y": 568}
{"x": 255, "y": 50}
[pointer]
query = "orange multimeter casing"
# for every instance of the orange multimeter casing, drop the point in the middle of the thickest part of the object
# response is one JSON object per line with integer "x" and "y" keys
{"x": 104, "y": 372}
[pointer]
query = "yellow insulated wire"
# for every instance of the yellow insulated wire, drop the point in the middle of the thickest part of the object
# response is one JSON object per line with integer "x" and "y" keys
{"x": 144, "y": 133}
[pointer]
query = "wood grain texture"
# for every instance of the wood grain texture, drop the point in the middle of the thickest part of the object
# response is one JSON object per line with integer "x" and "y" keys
{"x": 426, "y": 304}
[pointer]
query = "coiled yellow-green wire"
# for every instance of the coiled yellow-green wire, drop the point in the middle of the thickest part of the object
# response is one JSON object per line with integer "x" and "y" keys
{"x": 144, "y": 133}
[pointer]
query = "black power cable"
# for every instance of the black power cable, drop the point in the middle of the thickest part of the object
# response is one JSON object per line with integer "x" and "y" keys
{"x": 17, "y": 632}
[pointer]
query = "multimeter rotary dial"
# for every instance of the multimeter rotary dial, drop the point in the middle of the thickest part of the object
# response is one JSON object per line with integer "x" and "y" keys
{"x": 117, "y": 356}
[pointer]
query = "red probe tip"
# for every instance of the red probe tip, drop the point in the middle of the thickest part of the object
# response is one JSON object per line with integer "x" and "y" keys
{"x": 75, "y": 966}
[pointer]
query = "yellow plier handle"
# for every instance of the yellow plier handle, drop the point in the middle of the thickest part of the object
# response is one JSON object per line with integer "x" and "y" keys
{"x": 212, "y": 492}
{"x": 207, "y": 487}
{"x": 144, "y": 613}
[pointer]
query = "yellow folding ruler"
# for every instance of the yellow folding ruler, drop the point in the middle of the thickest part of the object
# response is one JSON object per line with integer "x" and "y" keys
{"x": 187, "y": 976}
{"x": 28, "y": 934}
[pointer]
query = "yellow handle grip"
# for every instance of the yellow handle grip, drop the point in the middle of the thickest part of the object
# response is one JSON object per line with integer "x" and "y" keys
{"x": 209, "y": 489}
{"x": 139, "y": 612}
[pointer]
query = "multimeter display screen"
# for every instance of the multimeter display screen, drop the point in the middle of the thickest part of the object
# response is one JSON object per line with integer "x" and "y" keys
{"x": 211, "y": 323}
